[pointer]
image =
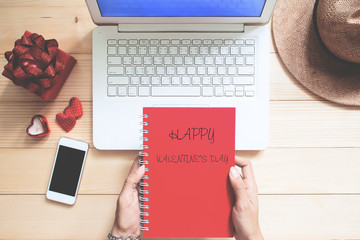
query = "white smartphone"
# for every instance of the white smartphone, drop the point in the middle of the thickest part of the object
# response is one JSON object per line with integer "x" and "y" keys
{"x": 67, "y": 170}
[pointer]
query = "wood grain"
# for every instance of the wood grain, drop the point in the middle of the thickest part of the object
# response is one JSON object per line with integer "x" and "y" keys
{"x": 282, "y": 217}
{"x": 308, "y": 178}
{"x": 292, "y": 124}
{"x": 277, "y": 171}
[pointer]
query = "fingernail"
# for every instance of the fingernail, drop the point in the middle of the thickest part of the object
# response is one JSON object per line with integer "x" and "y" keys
{"x": 234, "y": 173}
{"x": 140, "y": 170}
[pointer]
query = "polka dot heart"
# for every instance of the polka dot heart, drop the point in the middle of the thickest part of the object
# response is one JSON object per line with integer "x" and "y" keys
{"x": 67, "y": 119}
{"x": 66, "y": 122}
{"x": 74, "y": 109}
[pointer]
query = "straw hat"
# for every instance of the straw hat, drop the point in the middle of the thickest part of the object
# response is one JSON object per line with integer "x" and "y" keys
{"x": 319, "y": 43}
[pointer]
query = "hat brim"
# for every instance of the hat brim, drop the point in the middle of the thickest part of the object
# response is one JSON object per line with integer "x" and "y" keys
{"x": 307, "y": 59}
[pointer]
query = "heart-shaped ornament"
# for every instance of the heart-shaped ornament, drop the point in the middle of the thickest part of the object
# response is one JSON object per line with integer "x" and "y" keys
{"x": 66, "y": 122}
{"x": 38, "y": 127}
{"x": 74, "y": 109}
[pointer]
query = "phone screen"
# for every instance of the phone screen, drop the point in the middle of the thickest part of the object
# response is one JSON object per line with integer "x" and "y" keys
{"x": 67, "y": 170}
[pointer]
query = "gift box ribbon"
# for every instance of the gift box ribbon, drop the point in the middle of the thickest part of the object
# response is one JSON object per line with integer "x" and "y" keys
{"x": 33, "y": 63}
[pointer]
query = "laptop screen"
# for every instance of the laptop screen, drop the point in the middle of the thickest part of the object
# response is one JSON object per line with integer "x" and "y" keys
{"x": 181, "y": 8}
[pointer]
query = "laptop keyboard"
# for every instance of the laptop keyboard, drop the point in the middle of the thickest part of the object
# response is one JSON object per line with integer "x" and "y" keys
{"x": 181, "y": 68}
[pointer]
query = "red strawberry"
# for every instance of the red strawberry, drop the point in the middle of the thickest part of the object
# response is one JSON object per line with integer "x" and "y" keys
{"x": 74, "y": 109}
{"x": 66, "y": 122}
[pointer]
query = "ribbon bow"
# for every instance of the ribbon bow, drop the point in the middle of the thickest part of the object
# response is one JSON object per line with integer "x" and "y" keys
{"x": 33, "y": 63}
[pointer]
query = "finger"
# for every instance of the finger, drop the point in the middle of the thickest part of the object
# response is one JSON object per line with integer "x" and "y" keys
{"x": 135, "y": 175}
{"x": 238, "y": 185}
{"x": 246, "y": 168}
{"x": 135, "y": 165}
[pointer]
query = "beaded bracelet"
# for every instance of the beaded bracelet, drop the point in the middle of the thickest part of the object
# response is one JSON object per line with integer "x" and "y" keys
{"x": 128, "y": 237}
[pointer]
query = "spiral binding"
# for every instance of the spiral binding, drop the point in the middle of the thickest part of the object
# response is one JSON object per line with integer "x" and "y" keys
{"x": 143, "y": 183}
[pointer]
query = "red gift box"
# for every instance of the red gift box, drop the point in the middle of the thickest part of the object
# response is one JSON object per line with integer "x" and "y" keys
{"x": 38, "y": 65}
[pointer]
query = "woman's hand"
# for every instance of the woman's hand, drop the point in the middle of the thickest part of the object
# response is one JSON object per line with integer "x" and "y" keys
{"x": 245, "y": 210}
{"x": 127, "y": 220}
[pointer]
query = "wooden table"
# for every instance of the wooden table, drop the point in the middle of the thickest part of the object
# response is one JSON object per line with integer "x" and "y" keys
{"x": 308, "y": 178}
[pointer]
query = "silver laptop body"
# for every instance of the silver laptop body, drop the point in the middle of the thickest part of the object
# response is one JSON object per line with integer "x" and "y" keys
{"x": 204, "y": 61}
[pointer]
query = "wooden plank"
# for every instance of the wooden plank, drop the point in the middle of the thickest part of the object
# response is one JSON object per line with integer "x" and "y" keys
{"x": 70, "y": 24}
{"x": 15, "y": 118}
{"x": 282, "y": 217}
{"x": 277, "y": 171}
{"x": 292, "y": 124}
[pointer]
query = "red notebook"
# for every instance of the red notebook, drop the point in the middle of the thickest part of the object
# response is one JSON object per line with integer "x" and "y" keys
{"x": 188, "y": 153}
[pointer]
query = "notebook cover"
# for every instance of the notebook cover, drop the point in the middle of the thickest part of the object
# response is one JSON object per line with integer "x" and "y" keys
{"x": 190, "y": 152}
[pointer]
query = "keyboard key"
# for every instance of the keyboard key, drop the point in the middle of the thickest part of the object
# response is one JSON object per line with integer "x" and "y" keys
{"x": 133, "y": 42}
{"x": 144, "y": 91}
{"x": 186, "y": 42}
{"x": 144, "y": 81}
{"x": 250, "y": 60}
{"x": 122, "y": 41}
{"x": 186, "y": 80}
{"x": 155, "y": 80}
{"x": 173, "y": 50}
{"x": 214, "y": 50}
{"x": 129, "y": 70}
{"x": 247, "y": 50}
{"x": 249, "y": 93}
{"x": 111, "y": 42}
{"x": 219, "y": 60}
{"x": 132, "y": 50}
{"x": 135, "y": 80}
{"x": 181, "y": 70}
{"x": 216, "y": 80}
{"x": 114, "y": 60}
{"x": 175, "y": 91}
{"x": 201, "y": 70}
{"x": 127, "y": 60}
{"x": 231, "y": 70}
{"x": 188, "y": 60}
{"x": 196, "y": 80}
{"x": 164, "y": 41}
{"x": 249, "y": 41}
{"x": 111, "y": 50}
{"x": 175, "y": 42}
{"x": 234, "y": 50}
{"x": 122, "y": 91}
{"x": 165, "y": 80}
{"x": 246, "y": 70}
{"x": 115, "y": 70}
{"x": 239, "y": 42}
{"x": 175, "y": 81}
{"x": 243, "y": 80}
{"x": 219, "y": 91}
{"x": 222, "y": 70}
{"x": 118, "y": 80}
{"x": 224, "y": 50}
{"x": 191, "y": 70}
{"x": 121, "y": 50}
{"x": 132, "y": 91}
{"x": 170, "y": 70}
{"x": 154, "y": 42}
{"x": 144, "y": 42}
{"x": 207, "y": 91}
{"x": 111, "y": 91}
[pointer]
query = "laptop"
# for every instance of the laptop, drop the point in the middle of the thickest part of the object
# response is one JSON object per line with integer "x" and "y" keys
{"x": 179, "y": 53}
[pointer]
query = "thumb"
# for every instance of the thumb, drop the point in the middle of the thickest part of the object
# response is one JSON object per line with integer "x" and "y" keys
{"x": 237, "y": 184}
{"x": 134, "y": 178}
